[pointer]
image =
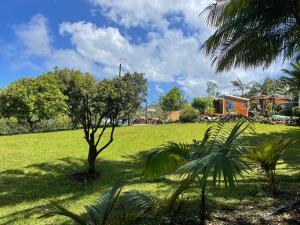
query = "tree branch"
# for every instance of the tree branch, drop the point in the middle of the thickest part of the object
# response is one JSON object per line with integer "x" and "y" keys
{"x": 111, "y": 137}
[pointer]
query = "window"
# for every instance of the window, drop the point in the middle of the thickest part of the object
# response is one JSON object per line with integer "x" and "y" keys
{"x": 229, "y": 106}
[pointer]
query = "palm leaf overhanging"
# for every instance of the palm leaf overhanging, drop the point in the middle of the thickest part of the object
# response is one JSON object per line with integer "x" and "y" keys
{"x": 97, "y": 214}
{"x": 251, "y": 33}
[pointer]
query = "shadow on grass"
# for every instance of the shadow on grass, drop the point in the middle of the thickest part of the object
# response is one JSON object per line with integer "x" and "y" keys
{"x": 52, "y": 181}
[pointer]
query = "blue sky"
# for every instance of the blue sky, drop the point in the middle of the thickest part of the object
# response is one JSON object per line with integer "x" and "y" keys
{"x": 160, "y": 38}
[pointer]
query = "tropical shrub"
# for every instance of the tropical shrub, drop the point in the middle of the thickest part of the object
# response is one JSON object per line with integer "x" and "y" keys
{"x": 218, "y": 155}
{"x": 188, "y": 114}
{"x": 266, "y": 154}
{"x": 202, "y": 104}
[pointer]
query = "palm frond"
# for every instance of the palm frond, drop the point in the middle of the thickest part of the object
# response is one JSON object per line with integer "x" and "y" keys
{"x": 223, "y": 152}
{"x": 58, "y": 210}
{"x": 142, "y": 203}
{"x": 99, "y": 213}
{"x": 165, "y": 159}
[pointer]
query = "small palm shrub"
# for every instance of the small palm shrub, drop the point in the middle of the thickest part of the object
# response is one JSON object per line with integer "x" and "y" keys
{"x": 266, "y": 154}
{"x": 218, "y": 155}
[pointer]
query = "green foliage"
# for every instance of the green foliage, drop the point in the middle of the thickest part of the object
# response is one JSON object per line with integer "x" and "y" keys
{"x": 293, "y": 82}
{"x": 165, "y": 159}
{"x": 100, "y": 105}
{"x": 137, "y": 85}
{"x": 218, "y": 155}
{"x": 212, "y": 89}
{"x": 252, "y": 24}
{"x": 203, "y": 104}
{"x": 188, "y": 114}
{"x": 172, "y": 101}
{"x": 32, "y": 100}
{"x": 266, "y": 154}
{"x": 98, "y": 214}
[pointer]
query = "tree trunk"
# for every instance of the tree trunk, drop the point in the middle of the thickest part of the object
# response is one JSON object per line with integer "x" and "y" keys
{"x": 202, "y": 210}
{"x": 299, "y": 99}
{"x": 273, "y": 183}
{"x": 92, "y": 159}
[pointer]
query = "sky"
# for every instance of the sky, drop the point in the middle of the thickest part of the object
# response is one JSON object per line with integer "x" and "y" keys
{"x": 162, "y": 39}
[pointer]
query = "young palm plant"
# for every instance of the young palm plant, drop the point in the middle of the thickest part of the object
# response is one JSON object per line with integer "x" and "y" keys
{"x": 266, "y": 154}
{"x": 98, "y": 214}
{"x": 218, "y": 155}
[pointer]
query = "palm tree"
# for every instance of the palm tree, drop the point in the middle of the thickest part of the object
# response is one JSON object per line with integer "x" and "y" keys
{"x": 294, "y": 81}
{"x": 218, "y": 155}
{"x": 266, "y": 154}
{"x": 238, "y": 83}
{"x": 98, "y": 214}
{"x": 247, "y": 32}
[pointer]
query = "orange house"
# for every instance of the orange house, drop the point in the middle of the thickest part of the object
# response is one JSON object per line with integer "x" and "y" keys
{"x": 229, "y": 104}
{"x": 264, "y": 100}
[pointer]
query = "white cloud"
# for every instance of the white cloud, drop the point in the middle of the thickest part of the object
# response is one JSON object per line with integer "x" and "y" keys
{"x": 159, "y": 89}
{"x": 33, "y": 49}
{"x": 153, "y": 13}
{"x": 167, "y": 55}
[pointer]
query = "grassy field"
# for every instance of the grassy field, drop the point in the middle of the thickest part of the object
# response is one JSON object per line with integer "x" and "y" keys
{"x": 35, "y": 168}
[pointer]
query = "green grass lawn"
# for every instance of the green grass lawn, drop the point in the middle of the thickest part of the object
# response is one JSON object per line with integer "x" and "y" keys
{"x": 34, "y": 169}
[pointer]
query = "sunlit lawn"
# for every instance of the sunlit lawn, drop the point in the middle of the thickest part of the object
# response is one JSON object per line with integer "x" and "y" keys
{"x": 34, "y": 168}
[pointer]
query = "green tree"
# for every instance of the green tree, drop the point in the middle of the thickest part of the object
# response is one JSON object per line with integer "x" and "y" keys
{"x": 212, "y": 89}
{"x": 138, "y": 86}
{"x": 218, "y": 155}
{"x": 172, "y": 101}
{"x": 241, "y": 86}
{"x": 99, "y": 106}
{"x": 294, "y": 80}
{"x": 31, "y": 100}
{"x": 202, "y": 104}
{"x": 247, "y": 32}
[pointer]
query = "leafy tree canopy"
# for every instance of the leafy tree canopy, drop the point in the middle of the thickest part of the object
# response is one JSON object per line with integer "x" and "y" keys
{"x": 32, "y": 100}
{"x": 172, "y": 101}
{"x": 99, "y": 105}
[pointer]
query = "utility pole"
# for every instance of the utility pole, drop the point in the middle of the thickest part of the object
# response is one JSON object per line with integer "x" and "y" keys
{"x": 120, "y": 67}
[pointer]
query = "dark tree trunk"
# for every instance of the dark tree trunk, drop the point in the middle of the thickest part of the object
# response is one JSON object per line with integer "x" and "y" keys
{"x": 273, "y": 183}
{"x": 202, "y": 210}
{"x": 92, "y": 159}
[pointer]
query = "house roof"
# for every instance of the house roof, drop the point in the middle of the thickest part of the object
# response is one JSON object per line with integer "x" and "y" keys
{"x": 234, "y": 97}
{"x": 269, "y": 97}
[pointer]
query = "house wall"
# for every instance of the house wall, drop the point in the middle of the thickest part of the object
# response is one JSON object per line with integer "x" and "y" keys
{"x": 239, "y": 106}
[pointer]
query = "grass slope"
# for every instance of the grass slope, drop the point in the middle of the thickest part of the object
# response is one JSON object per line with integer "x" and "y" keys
{"x": 34, "y": 168}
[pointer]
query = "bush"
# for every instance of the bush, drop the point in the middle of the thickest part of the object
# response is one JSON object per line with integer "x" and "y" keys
{"x": 12, "y": 126}
{"x": 203, "y": 104}
{"x": 297, "y": 111}
{"x": 286, "y": 112}
{"x": 188, "y": 114}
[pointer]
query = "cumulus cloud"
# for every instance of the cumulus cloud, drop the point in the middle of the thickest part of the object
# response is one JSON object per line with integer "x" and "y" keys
{"x": 34, "y": 49}
{"x": 168, "y": 53}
